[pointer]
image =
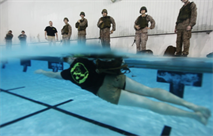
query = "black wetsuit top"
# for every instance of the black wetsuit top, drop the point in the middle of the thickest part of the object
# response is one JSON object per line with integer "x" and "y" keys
{"x": 82, "y": 73}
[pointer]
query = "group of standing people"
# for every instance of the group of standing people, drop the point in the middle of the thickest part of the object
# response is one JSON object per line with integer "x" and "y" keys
{"x": 186, "y": 20}
{"x": 66, "y": 32}
{"x": 104, "y": 24}
{"x": 184, "y": 24}
{"x": 9, "y": 36}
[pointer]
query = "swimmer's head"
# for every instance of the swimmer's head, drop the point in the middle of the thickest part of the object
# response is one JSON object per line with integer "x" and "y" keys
{"x": 69, "y": 59}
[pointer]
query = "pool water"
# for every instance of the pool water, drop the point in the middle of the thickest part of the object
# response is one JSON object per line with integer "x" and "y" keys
{"x": 28, "y": 106}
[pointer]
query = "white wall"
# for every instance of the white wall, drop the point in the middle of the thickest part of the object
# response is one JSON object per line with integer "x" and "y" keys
{"x": 33, "y": 16}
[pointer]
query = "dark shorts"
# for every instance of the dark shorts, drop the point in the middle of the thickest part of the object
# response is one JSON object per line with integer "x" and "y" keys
{"x": 111, "y": 88}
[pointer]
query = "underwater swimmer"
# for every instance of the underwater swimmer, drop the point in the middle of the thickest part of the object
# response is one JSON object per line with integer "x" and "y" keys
{"x": 121, "y": 90}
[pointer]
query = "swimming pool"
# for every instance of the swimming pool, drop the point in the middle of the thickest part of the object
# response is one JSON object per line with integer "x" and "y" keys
{"x": 36, "y": 105}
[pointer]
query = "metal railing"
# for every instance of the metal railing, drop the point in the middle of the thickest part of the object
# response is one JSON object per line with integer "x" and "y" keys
{"x": 204, "y": 31}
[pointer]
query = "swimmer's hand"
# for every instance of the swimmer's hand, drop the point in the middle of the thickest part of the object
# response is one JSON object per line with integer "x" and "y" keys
{"x": 39, "y": 71}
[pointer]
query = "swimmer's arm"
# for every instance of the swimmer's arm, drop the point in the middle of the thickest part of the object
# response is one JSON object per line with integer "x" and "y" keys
{"x": 50, "y": 74}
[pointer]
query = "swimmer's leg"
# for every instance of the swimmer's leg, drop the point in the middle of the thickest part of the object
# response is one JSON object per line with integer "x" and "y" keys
{"x": 163, "y": 95}
{"x": 134, "y": 100}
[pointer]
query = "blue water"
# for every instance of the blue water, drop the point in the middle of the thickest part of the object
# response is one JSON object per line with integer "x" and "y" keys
{"x": 53, "y": 91}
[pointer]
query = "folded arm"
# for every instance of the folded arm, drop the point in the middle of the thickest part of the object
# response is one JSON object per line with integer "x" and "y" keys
{"x": 100, "y": 21}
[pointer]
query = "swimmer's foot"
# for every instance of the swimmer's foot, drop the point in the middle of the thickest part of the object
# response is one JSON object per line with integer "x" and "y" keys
{"x": 199, "y": 117}
{"x": 204, "y": 111}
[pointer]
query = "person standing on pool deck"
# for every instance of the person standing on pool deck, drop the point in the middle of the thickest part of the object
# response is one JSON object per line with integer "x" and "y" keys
{"x": 141, "y": 27}
{"x": 66, "y": 32}
{"x": 8, "y": 39}
{"x": 121, "y": 90}
{"x": 22, "y": 37}
{"x": 104, "y": 23}
{"x": 186, "y": 20}
{"x": 81, "y": 25}
{"x": 50, "y": 33}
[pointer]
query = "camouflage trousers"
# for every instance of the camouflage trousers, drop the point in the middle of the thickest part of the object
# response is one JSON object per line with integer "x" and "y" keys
{"x": 81, "y": 38}
{"x": 8, "y": 44}
{"x": 105, "y": 37}
{"x": 66, "y": 40}
{"x": 183, "y": 38}
{"x": 141, "y": 39}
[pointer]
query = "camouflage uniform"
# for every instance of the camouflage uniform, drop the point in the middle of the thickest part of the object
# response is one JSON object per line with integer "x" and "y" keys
{"x": 141, "y": 36}
{"x": 105, "y": 31}
{"x": 8, "y": 40}
{"x": 66, "y": 32}
{"x": 22, "y": 38}
{"x": 82, "y": 30}
{"x": 184, "y": 35}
